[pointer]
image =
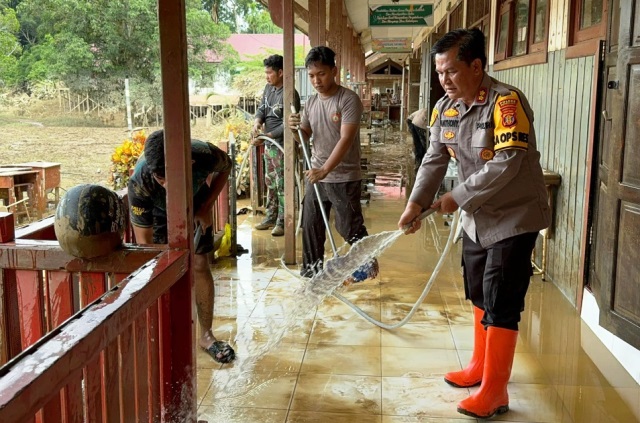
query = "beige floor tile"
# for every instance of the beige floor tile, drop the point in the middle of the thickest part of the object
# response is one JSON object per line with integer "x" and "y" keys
{"x": 354, "y": 331}
{"x": 313, "y": 417}
{"x": 262, "y": 329}
{"x": 591, "y": 404}
{"x": 533, "y": 403}
{"x": 230, "y": 287}
{"x": 337, "y": 394}
{"x": 281, "y": 307}
{"x": 417, "y": 362}
{"x": 460, "y": 314}
{"x": 342, "y": 360}
{"x": 271, "y": 390}
{"x": 430, "y": 313}
{"x": 224, "y": 413}
{"x": 261, "y": 357}
{"x": 334, "y": 308}
{"x": 203, "y": 383}
{"x": 363, "y": 291}
{"x": 409, "y": 419}
{"x": 234, "y": 306}
{"x": 420, "y": 397}
{"x": 408, "y": 293}
{"x": 419, "y": 335}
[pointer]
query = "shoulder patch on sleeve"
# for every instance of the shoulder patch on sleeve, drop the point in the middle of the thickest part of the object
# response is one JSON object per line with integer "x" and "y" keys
{"x": 512, "y": 124}
{"x": 434, "y": 116}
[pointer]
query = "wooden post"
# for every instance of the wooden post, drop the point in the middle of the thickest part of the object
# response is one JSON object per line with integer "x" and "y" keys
{"x": 335, "y": 31}
{"x": 289, "y": 143}
{"x": 318, "y": 22}
{"x": 178, "y": 314}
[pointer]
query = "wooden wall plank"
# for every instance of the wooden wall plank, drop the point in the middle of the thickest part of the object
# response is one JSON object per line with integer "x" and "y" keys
{"x": 141, "y": 349}
{"x": 576, "y": 76}
{"x": 127, "y": 376}
{"x": 153, "y": 340}
{"x": 560, "y": 94}
{"x": 111, "y": 385}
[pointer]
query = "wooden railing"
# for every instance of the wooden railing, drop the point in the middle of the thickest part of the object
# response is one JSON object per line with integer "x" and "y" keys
{"x": 94, "y": 340}
{"x": 86, "y": 340}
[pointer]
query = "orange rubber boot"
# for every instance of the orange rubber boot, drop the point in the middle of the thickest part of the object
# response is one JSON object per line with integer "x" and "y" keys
{"x": 492, "y": 397}
{"x": 472, "y": 374}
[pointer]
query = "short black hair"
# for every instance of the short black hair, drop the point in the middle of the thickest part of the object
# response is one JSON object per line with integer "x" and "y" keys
{"x": 470, "y": 43}
{"x": 275, "y": 62}
{"x": 323, "y": 55}
{"x": 154, "y": 152}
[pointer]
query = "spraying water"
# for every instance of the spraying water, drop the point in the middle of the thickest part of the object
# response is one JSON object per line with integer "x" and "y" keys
{"x": 240, "y": 381}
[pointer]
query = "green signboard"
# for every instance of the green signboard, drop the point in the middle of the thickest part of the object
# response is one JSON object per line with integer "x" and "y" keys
{"x": 406, "y": 15}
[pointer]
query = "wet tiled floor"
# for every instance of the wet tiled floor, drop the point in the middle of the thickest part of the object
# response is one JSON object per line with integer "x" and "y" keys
{"x": 333, "y": 366}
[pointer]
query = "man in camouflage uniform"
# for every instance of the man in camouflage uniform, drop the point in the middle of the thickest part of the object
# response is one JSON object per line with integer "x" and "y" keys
{"x": 270, "y": 114}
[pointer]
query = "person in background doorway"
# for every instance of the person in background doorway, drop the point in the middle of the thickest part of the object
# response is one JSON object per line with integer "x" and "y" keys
{"x": 332, "y": 116}
{"x": 487, "y": 126}
{"x": 417, "y": 124}
{"x": 270, "y": 114}
{"x": 148, "y": 214}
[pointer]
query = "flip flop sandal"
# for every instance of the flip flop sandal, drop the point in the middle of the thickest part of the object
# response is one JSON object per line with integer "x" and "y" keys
{"x": 221, "y": 352}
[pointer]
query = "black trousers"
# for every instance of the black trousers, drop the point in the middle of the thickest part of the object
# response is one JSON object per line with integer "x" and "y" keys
{"x": 344, "y": 197}
{"x": 496, "y": 278}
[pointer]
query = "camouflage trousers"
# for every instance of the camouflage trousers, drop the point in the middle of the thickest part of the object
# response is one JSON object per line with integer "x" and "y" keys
{"x": 274, "y": 180}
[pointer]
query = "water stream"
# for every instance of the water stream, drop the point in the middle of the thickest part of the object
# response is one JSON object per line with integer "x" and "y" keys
{"x": 239, "y": 380}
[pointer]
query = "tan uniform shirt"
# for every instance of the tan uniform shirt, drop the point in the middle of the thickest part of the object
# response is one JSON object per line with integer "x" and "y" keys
{"x": 501, "y": 189}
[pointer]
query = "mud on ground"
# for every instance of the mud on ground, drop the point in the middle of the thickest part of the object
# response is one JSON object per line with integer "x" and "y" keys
{"x": 83, "y": 152}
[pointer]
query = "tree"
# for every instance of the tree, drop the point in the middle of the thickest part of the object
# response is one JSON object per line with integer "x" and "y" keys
{"x": 259, "y": 21}
{"x": 93, "y": 45}
{"x": 9, "y": 46}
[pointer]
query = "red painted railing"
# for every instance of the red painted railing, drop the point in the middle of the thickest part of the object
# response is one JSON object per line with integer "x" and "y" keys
{"x": 90, "y": 341}
{"x": 83, "y": 341}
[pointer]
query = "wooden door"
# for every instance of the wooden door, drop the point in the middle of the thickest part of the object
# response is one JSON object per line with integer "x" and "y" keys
{"x": 614, "y": 272}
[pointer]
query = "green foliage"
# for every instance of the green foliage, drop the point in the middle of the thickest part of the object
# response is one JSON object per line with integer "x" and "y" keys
{"x": 249, "y": 77}
{"x": 93, "y": 45}
{"x": 259, "y": 21}
{"x": 10, "y": 48}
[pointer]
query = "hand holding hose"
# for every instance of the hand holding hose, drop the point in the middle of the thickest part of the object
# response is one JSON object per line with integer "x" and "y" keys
{"x": 411, "y": 219}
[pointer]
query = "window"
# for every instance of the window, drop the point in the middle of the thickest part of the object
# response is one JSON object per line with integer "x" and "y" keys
{"x": 522, "y": 28}
{"x": 455, "y": 18}
{"x": 478, "y": 17}
{"x": 589, "y": 20}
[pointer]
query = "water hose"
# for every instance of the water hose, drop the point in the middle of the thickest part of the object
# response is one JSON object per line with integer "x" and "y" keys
{"x": 432, "y": 278}
{"x": 298, "y": 181}
{"x": 425, "y": 291}
{"x": 307, "y": 159}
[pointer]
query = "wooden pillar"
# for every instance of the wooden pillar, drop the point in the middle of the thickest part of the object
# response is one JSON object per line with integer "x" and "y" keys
{"x": 344, "y": 48}
{"x": 318, "y": 22}
{"x": 178, "y": 387}
{"x": 289, "y": 143}
{"x": 335, "y": 31}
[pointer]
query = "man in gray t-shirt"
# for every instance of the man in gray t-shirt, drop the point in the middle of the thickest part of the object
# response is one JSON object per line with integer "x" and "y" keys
{"x": 332, "y": 116}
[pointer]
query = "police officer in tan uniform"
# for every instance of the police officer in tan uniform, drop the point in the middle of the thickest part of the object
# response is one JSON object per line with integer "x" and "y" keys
{"x": 487, "y": 126}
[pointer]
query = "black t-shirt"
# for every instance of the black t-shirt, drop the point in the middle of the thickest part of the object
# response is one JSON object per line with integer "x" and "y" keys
{"x": 145, "y": 194}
